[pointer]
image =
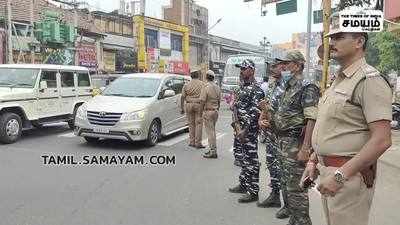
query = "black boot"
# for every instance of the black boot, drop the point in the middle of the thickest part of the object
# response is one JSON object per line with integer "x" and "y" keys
{"x": 237, "y": 189}
{"x": 283, "y": 213}
{"x": 273, "y": 201}
{"x": 248, "y": 198}
{"x": 210, "y": 155}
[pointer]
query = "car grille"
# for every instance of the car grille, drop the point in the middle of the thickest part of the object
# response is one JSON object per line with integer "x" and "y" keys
{"x": 103, "y": 118}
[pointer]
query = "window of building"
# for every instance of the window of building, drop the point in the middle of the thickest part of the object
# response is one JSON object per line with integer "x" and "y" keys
{"x": 67, "y": 79}
{"x": 151, "y": 38}
{"x": 22, "y": 30}
{"x": 176, "y": 42}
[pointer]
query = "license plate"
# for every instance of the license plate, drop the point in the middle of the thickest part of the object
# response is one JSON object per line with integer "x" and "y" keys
{"x": 101, "y": 130}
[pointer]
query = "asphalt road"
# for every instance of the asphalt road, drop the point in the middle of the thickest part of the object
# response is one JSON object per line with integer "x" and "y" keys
{"x": 191, "y": 191}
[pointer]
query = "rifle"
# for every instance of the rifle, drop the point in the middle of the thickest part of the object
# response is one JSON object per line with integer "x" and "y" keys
{"x": 265, "y": 111}
{"x": 237, "y": 129}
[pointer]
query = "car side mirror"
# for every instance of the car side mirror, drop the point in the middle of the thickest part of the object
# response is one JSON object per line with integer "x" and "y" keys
{"x": 168, "y": 93}
{"x": 43, "y": 85}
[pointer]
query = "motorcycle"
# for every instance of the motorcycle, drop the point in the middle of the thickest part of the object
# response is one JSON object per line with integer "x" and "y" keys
{"x": 396, "y": 116}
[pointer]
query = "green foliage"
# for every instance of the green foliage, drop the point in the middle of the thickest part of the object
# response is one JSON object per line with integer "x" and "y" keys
{"x": 383, "y": 51}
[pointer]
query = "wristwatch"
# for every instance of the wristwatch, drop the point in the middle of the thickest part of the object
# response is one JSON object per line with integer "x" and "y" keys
{"x": 339, "y": 177}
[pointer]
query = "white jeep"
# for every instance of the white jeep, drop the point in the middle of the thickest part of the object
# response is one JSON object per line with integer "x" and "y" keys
{"x": 33, "y": 95}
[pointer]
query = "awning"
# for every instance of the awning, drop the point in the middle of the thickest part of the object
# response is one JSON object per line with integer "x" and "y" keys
{"x": 118, "y": 42}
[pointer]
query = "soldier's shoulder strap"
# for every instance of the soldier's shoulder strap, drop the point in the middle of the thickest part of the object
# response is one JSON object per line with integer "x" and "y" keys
{"x": 369, "y": 72}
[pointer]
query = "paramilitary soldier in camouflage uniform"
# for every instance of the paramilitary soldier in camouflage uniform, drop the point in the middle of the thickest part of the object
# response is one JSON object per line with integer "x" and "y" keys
{"x": 294, "y": 123}
{"x": 246, "y": 131}
{"x": 275, "y": 91}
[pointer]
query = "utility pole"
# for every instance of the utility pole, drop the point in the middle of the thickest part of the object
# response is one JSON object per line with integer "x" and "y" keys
{"x": 327, "y": 13}
{"x": 265, "y": 43}
{"x": 308, "y": 38}
{"x": 9, "y": 26}
{"x": 32, "y": 35}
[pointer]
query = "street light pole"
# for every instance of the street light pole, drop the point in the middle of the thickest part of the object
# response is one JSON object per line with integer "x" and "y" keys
{"x": 9, "y": 40}
{"x": 308, "y": 38}
{"x": 265, "y": 43}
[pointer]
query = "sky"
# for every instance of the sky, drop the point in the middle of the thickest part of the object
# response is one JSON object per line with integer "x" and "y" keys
{"x": 240, "y": 21}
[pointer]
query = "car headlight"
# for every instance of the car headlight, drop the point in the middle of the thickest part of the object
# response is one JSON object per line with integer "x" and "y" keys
{"x": 82, "y": 112}
{"x": 133, "y": 116}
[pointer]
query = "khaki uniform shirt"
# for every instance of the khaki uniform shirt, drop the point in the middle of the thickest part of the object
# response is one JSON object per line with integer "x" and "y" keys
{"x": 211, "y": 96}
{"x": 341, "y": 127}
{"x": 191, "y": 91}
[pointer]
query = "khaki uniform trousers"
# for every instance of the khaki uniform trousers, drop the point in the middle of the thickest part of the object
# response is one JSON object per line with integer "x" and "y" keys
{"x": 351, "y": 205}
{"x": 210, "y": 119}
{"x": 195, "y": 119}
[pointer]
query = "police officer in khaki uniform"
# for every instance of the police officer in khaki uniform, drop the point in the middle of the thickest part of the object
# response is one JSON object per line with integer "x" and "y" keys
{"x": 190, "y": 103}
{"x": 351, "y": 132}
{"x": 210, "y": 99}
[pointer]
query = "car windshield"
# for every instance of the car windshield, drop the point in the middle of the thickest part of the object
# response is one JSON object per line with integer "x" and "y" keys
{"x": 133, "y": 87}
{"x": 232, "y": 73}
{"x": 16, "y": 77}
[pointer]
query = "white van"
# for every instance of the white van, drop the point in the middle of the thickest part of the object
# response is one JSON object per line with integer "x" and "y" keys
{"x": 33, "y": 95}
{"x": 134, "y": 107}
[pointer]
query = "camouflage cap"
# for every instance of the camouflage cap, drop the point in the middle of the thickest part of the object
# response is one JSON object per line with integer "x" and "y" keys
{"x": 247, "y": 63}
{"x": 292, "y": 56}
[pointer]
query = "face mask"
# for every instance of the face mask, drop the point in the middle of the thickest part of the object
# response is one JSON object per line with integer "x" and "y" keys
{"x": 286, "y": 75}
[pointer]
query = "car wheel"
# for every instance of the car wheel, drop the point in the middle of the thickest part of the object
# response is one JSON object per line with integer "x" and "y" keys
{"x": 10, "y": 128}
{"x": 154, "y": 133}
{"x": 92, "y": 140}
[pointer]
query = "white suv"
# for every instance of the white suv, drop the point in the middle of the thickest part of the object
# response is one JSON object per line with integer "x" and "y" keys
{"x": 33, "y": 95}
{"x": 134, "y": 107}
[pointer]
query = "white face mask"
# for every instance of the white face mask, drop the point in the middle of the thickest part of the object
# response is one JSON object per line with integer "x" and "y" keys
{"x": 286, "y": 75}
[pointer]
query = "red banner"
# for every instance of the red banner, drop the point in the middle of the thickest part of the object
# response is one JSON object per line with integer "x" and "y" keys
{"x": 87, "y": 55}
{"x": 179, "y": 67}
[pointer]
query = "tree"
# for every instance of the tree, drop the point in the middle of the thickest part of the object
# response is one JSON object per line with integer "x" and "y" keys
{"x": 360, "y": 3}
{"x": 389, "y": 52}
{"x": 383, "y": 51}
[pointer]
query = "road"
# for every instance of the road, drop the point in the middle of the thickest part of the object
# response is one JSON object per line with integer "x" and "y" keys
{"x": 193, "y": 191}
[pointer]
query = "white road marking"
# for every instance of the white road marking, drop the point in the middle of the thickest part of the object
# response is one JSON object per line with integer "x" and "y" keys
{"x": 67, "y": 135}
{"x": 178, "y": 139}
{"x": 174, "y": 141}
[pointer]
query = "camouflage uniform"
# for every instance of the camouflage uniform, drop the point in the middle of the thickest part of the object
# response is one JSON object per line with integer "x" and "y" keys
{"x": 274, "y": 93}
{"x": 297, "y": 104}
{"x": 237, "y": 152}
{"x": 247, "y": 102}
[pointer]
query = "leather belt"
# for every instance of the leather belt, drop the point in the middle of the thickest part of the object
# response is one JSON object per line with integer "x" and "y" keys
{"x": 335, "y": 161}
{"x": 198, "y": 102}
{"x": 368, "y": 174}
